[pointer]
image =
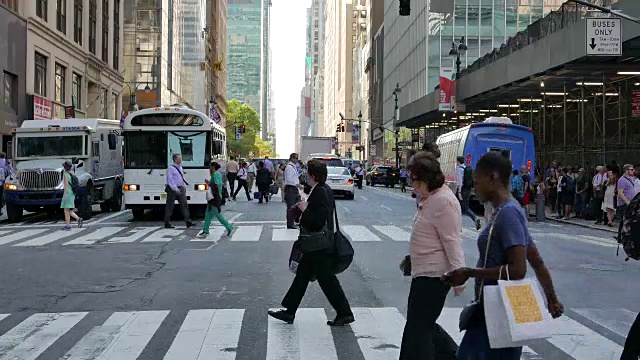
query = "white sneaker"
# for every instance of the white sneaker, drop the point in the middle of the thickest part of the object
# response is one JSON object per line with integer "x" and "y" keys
{"x": 202, "y": 234}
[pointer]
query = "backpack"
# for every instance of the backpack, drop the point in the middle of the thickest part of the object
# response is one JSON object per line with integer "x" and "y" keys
{"x": 467, "y": 177}
{"x": 629, "y": 235}
{"x": 75, "y": 184}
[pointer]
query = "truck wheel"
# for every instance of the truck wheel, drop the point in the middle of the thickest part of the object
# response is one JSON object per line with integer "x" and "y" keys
{"x": 86, "y": 204}
{"x": 14, "y": 213}
{"x": 116, "y": 199}
{"x": 138, "y": 214}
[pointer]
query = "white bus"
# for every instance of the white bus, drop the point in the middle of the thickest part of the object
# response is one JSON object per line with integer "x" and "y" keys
{"x": 151, "y": 138}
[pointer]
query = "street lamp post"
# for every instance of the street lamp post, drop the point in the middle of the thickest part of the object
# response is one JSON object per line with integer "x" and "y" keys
{"x": 360, "y": 134}
{"x": 396, "y": 134}
{"x": 456, "y": 53}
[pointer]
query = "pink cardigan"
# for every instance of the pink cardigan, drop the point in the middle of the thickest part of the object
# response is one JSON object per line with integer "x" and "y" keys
{"x": 435, "y": 246}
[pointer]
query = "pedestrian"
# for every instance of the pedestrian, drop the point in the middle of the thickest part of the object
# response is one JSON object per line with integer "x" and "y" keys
{"x": 507, "y": 251}
{"x": 608, "y": 202}
{"x": 551, "y": 183}
{"x": 404, "y": 174}
{"x": 625, "y": 193}
{"x": 528, "y": 190}
{"x": 317, "y": 212}
{"x": 291, "y": 187}
{"x": 263, "y": 181}
{"x": 69, "y": 197}
{"x": 582, "y": 188}
{"x": 428, "y": 149}
{"x": 359, "y": 175}
{"x": 280, "y": 180}
{"x": 176, "y": 189}
{"x": 232, "y": 174}
{"x": 214, "y": 205}
{"x": 464, "y": 187}
{"x": 251, "y": 175}
{"x": 517, "y": 186}
{"x": 3, "y": 176}
{"x": 242, "y": 182}
{"x": 268, "y": 164}
{"x": 435, "y": 248}
{"x": 599, "y": 181}
{"x": 632, "y": 344}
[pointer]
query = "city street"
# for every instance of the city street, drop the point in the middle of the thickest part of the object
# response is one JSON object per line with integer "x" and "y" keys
{"x": 121, "y": 290}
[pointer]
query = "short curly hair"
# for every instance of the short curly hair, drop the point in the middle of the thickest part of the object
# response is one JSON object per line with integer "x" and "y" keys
{"x": 427, "y": 169}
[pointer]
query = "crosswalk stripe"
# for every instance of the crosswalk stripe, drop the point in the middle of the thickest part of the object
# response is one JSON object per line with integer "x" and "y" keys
{"x": 49, "y": 238}
{"x": 215, "y": 233}
{"x": 207, "y": 334}
{"x": 95, "y": 235}
{"x": 379, "y": 332}
{"x": 122, "y": 337}
{"x": 393, "y": 232}
{"x": 617, "y": 320}
{"x": 164, "y": 235}
{"x": 578, "y": 341}
{"x": 3, "y": 316}
{"x": 21, "y": 235}
{"x": 359, "y": 233}
{"x": 137, "y": 234}
{"x": 33, "y": 336}
{"x": 284, "y": 234}
{"x": 247, "y": 233}
{"x": 307, "y": 338}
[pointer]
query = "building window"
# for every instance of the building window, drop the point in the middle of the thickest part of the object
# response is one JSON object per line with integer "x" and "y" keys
{"x": 354, "y": 26}
{"x": 40, "y": 75}
{"x": 76, "y": 90}
{"x": 77, "y": 21}
{"x": 116, "y": 34}
{"x": 92, "y": 26}
{"x": 61, "y": 73}
{"x": 41, "y": 9}
{"x": 353, "y": 39}
{"x": 105, "y": 104}
{"x": 114, "y": 106}
{"x": 11, "y": 4}
{"x": 105, "y": 31}
{"x": 61, "y": 16}
{"x": 10, "y": 91}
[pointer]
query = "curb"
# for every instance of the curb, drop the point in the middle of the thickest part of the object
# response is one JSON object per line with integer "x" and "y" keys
{"x": 590, "y": 226}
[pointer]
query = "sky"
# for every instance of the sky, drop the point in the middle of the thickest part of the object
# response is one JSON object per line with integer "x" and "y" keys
{"x": 288, "y": 48}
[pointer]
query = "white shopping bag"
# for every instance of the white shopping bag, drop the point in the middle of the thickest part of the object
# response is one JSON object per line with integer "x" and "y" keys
{"x": 516, "y": 314}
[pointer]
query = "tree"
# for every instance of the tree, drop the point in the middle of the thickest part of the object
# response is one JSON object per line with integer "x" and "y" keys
{"x": 239, "y": 114}
{"x": 263, "y": 148}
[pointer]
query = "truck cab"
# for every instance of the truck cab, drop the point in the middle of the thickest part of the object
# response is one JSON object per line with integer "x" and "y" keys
{"x": 39, "y": 148}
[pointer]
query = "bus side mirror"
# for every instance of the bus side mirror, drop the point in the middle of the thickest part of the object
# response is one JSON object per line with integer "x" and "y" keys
{"x": 111, "y": 138}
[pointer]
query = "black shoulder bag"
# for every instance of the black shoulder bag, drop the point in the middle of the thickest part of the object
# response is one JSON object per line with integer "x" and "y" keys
{"x": 473, "y": 312}
{"x": 316, "y": 240}
{"x": 343, "y": 250}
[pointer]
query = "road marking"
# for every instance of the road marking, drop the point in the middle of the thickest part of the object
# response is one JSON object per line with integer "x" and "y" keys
{"x": 364, "y": 198}
{"x": 585, "y": 239}
{"x": 386, "y": 207}
{"x": 577, "y": 341}
{"x": 34, "y": 335}
{"x": 49, "y": 238}
{"x": 207, "y": 334}
{"x": 393, "y": 232}
{"x": 618, "y": 321}
{"x": 19, "y": 236}
{"x": 285, "y": 234}
{"x": 358, "y": 233}
{"x": 122, "y": 337}
{"x": 345, "y": 209}
{"x": 307, "y": 338}
{"x": 137, "y": 234}
{"x": 164, "y": 235}
{"x": 103, "y": 219}
{"x": 247, "y": 233}
{"x": 215, "y": 233}
{"x": 95, "y": 235}
{"x": 274, "y": 222}
{"x": 379, "y": 332}
{"x": 234, "y": 217}
{"x": 3, "y": 316}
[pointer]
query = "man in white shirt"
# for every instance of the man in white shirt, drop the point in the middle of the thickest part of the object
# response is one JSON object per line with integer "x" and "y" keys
{"x": 291, "y": 187}
{"x": 359, "y": 175}
{"x": 251, "y": 175}
{"x": 232, "y": 173}
{"x": 242, "y": 182}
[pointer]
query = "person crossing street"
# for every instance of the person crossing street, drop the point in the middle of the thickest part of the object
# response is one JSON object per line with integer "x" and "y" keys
{"x": 464, "y": 186}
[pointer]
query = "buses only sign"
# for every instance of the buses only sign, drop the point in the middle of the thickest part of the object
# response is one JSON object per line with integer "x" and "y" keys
{"x": 604, "y": 36}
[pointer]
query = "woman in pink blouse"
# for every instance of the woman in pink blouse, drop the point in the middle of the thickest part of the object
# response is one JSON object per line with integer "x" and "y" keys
{"x": 435, "y": 249}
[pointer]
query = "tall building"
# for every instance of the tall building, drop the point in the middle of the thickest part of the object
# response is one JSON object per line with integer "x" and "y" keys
{"x": 426, "y": 36}
{"x": 375, "y": 70}
{"x": 265, "y": 85}
{"x": 193, "y": 16}
{"x": 340, "y": 39}
{"x": 244, "y": 52}
{"x": 316, "y": 53}
{"x": 73, "y": 58}
{"x": 297, "y": 134}
{"x": 13, "y": 64}
{"x": 216, "y": 57}
{"x": 360, "y": 105}
{"x": 153, "y": 53}
{"x": 271, "y": 114}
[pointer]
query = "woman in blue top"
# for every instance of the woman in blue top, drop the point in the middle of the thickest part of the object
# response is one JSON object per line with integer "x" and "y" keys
{"x": 510, "y": 246}
{"x": 68, "y": 198}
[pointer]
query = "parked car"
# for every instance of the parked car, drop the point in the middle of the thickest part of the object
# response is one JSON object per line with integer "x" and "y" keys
{"x": 382, "y": 174}
{"x": 341, "y": 182}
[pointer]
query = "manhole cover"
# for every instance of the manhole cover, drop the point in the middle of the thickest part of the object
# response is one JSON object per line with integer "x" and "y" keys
{"x": 601, "y": 267}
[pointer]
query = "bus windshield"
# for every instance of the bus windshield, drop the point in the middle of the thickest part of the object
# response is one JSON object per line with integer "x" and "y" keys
{"x": 154, "y": 149}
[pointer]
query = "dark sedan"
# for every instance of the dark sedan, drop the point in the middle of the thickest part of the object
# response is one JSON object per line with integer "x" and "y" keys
{"x": 382, "y": 174}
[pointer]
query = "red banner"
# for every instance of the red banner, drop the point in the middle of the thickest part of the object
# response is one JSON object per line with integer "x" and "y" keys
{"x": 42, "y": 108}
{"x": 635, "y": 103}
{"x": 447, "y": 88}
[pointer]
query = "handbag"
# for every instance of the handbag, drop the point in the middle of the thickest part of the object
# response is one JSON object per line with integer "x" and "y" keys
{"x": 317, "y": 240}
{"x": 343, "y": 250}
{"x": 472, "y": 313}
{"x": 273, "y": 189}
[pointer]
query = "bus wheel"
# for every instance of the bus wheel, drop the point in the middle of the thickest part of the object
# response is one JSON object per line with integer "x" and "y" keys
{"x": 138, "y": 214}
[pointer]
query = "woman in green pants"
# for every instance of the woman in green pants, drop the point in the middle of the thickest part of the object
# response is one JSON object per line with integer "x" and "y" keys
{"x": 213, "y": 207}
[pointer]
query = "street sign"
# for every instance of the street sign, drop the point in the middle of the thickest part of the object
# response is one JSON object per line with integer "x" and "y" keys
{"x": 397, "y": 149}
{"x": 404, "y": 143}
{"x": 604, "y": 36}
{"x": 372, "y": 150}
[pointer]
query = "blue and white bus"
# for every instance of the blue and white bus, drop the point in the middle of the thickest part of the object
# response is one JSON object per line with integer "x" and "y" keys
{"x": 494, "y": 134}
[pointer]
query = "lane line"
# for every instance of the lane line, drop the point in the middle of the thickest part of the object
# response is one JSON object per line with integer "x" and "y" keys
{"x": 137, "y": 234}
{"x": 207, "y": 334}
{"x": 386, "y": 207}
{"x": 94, "y": 236}
{"x": 122, "y": 337}
{"x": 19, "y": 236}
{"x": 359, "y": 233}
{"x": 234, "y": 217}
{"x": 164, "y": 235}
{"x": 618, "y": 321}
{"x": 285, "y": 234}
{"x": 247, "y": 233}
{"x": 4, "y": 316}
{"x": 50, "y": 237}
{"x": 103, "y": 219}
{"x": 37, "y": 333}
{"x": 307, "y": 338}
{"x": 345, "y": 209}
{"x": 393, "y": 232}
{"x": 364, "y": 198}
{"x": 379, "y": 332}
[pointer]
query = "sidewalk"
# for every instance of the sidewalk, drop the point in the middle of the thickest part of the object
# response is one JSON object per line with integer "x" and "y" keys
{"x": 581, "y": 222}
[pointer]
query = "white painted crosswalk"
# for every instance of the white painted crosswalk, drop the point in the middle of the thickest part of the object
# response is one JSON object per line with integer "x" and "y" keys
{"x": 218, "y": 334}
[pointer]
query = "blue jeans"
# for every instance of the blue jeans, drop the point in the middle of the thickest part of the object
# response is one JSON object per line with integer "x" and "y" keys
{"x": 475, "y": 346}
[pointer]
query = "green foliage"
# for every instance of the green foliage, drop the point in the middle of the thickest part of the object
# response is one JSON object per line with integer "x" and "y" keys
{"x": 239, "y": 114}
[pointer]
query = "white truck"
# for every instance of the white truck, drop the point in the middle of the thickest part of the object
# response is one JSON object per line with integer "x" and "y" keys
{"x": 315, "y": 145}
{"x": 39, "y": 148}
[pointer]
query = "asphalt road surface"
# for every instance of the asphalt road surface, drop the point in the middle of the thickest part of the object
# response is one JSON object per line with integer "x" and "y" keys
{"x": 118, "y": 289}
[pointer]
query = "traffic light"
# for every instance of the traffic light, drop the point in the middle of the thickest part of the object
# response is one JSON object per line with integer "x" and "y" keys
{"x": 405, "y": 7}
{"x": 243, "y": 129}
{"x": 342, "y": 126}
